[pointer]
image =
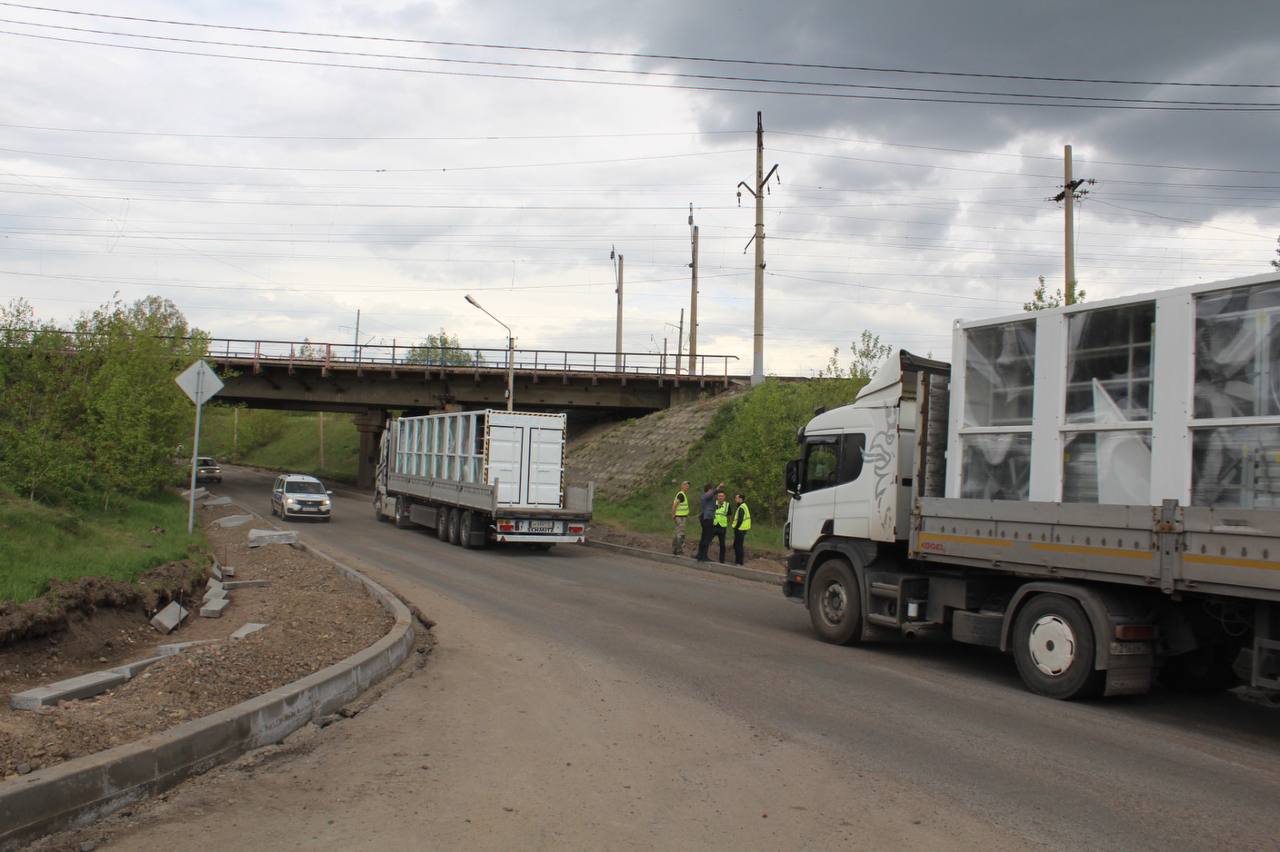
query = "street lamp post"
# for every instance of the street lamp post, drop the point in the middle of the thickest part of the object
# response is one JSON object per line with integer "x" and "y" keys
{"x": 511, "y": 355}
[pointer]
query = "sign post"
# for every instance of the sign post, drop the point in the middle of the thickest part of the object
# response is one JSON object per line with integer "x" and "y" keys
{"x": 200, "y": 383}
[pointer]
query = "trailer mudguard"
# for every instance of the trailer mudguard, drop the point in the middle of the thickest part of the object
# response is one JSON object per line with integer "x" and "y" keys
{"x": 1105, "y": 607}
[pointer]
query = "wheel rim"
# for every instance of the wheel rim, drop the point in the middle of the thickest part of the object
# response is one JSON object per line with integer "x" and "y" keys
{"x": 1052, "y": 643}
{"x": 834, "y": 603}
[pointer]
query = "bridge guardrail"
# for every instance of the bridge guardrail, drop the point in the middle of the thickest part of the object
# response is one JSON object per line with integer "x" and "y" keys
{"x": 463, "y": 358}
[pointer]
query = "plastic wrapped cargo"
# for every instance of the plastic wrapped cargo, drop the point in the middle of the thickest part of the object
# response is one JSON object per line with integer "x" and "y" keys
{"x": 1171, "y": 395}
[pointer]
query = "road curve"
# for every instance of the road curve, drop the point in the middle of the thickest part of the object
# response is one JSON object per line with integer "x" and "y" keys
{"x": 583, "y": 699}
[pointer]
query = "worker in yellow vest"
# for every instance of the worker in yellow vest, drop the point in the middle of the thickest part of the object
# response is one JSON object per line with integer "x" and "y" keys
{"x": 720, "y": 523}
{"x": 680, "y": 515}
{"x": 741, "y": 524}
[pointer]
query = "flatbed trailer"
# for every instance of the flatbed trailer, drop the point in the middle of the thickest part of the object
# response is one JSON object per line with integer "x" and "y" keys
{"x": 1094, "y": 489}
{"x": 481, "y": 476}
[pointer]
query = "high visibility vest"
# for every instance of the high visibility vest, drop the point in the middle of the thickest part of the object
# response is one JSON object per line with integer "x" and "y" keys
{"x": 742, "y": 519}
{"x": 682, "y": 504}
{"x": 722, "y": 515}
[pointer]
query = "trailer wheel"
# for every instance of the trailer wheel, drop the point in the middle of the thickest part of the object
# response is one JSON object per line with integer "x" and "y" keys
{"x": 442, "y": 522}
{"x": 1054, "y": 648}
{"x": 455, "y": 526}
{"x": 835, "y": 603}
{"x": 377, "y": 510}
{"x": 467, "y": 525}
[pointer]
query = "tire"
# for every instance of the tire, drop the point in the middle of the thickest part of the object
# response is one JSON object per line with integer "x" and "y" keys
{"x": 442, "y": 523}
{"x": 835, "y": 603}
{"x": 402, "y": 514}
{"x": 466, "y": 525}
{"x": 1054, "y": 648}
{"x": 377, "y": 510}
{"x": 455, "y": 526}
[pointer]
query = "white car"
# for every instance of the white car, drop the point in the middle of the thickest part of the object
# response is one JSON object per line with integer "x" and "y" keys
{"x": 296, "y": 495}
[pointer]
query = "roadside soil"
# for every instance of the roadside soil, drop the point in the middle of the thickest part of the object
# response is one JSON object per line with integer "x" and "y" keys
{"x": 315, "y": 618}
{"x": 770, "y": 561}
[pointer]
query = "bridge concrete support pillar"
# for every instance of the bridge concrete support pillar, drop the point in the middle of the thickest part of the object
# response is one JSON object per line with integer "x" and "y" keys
{"x": 369, "y": 424}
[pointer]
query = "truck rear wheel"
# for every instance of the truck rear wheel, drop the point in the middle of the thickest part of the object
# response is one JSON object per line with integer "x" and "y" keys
{"x": 442, "y": 523}
{"x": 467, "y": 524}
{"x": 1054, "y": 648}
{"x": 835, "y": 603}
{"x": 455, "y": 526}
{"x": 377, "y": 510}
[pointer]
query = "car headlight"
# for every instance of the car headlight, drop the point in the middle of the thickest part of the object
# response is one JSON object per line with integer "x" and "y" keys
{"x": 325, "y": 503}
{"x": 290, "y": 501}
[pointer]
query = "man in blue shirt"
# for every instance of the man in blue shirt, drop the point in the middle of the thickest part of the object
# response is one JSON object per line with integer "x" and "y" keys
{"x": 707, "y": 516}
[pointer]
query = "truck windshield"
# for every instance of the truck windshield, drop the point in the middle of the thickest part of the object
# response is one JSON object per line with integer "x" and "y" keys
{"x": 304, "y": 488}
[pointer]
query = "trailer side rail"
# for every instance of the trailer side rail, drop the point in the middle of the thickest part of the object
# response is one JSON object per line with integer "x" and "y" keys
{"x": 1171, "y": 548}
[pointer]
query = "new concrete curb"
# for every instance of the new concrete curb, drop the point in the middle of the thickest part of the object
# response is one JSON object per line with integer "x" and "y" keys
{"x": 83, "y": 790}
{"x": 685, "y": 562}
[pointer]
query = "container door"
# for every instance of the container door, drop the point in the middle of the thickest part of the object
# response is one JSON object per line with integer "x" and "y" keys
{"x": 506, "y": 450}
{"x": 546, "y": 455}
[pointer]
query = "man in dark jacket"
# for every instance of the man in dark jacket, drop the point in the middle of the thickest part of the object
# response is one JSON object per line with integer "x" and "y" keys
{"x": 706, "y": 515}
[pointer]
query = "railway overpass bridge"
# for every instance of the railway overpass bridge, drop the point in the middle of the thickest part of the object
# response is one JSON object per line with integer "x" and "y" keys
{"x": 370, "y": 381}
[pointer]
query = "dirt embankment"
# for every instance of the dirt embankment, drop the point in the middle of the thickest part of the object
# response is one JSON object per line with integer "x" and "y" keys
{"x": 71, "y": 601}
{"x": 621, "y": 458}
{"x": 314, "y": 618}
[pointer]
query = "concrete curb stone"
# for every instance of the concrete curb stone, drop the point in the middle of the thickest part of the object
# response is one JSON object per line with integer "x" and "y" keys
{"x": 82, "y": 790}
{"x": 685, "y": 562}
{"x": 83, "y": 686}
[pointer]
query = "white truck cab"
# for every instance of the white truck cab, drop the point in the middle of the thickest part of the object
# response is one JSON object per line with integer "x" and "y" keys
{"x": 853, "y": 479}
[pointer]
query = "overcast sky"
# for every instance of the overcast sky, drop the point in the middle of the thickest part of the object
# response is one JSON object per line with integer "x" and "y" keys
{"x": 272, "y": 199}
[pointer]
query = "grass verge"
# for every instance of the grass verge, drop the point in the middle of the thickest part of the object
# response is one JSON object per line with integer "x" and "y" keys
{"x": 39, "y": 543}
{"x": 283, "y": 440}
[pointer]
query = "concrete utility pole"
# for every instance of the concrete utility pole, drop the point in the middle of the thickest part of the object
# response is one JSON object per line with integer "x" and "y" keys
{"x": 757, "y": 365}
{"x": 693, "y": 297}
{"x": 680, "y": 341}
{"x": 357, "y": 340}
{"x": 1071, "y": 192}
{"x": 617, "y": 271}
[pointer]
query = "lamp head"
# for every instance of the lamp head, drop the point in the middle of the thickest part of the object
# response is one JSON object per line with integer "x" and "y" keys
{"x": 471, "y": 300}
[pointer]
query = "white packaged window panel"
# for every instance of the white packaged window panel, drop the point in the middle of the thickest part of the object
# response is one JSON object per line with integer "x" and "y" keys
{"x": 520, "y": 454}
{"x": 1167, "y": 395}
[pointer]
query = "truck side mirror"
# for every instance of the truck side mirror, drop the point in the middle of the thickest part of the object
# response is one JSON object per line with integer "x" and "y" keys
{"x": 793, "y": 478}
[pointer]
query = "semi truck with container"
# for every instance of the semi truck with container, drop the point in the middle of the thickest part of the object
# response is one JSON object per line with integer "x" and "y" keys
{"x": 1093, "y": 489}
{"x": 476, "y": 477}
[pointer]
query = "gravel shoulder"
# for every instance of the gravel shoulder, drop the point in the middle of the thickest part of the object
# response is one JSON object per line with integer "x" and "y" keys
{"x": 315, "y": 618}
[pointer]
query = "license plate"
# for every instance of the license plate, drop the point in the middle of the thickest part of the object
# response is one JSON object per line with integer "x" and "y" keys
{"x": 542, "y": 526}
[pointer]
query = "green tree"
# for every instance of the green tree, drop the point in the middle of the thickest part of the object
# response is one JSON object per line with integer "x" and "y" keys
{"x": 868, "y": 353}
{"x": 1042, "y": 299}
{"x": 42, "y": 389}
{"x": 135, "y": 413}
{"x": 444, "y": 349}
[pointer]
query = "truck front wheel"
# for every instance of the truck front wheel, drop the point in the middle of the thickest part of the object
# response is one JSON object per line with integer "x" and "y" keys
{"x": 402, "y": 513}
{"x": 1054, "y": 648}
{"x": 835, "y": 604}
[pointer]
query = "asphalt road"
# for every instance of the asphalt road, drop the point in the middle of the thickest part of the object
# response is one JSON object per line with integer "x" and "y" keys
{"x": 914, "y": 744}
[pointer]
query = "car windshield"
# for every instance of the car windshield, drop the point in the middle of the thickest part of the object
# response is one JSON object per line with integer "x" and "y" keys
{"x": 304, "y": 487}
{"x": 206, "y": 462}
